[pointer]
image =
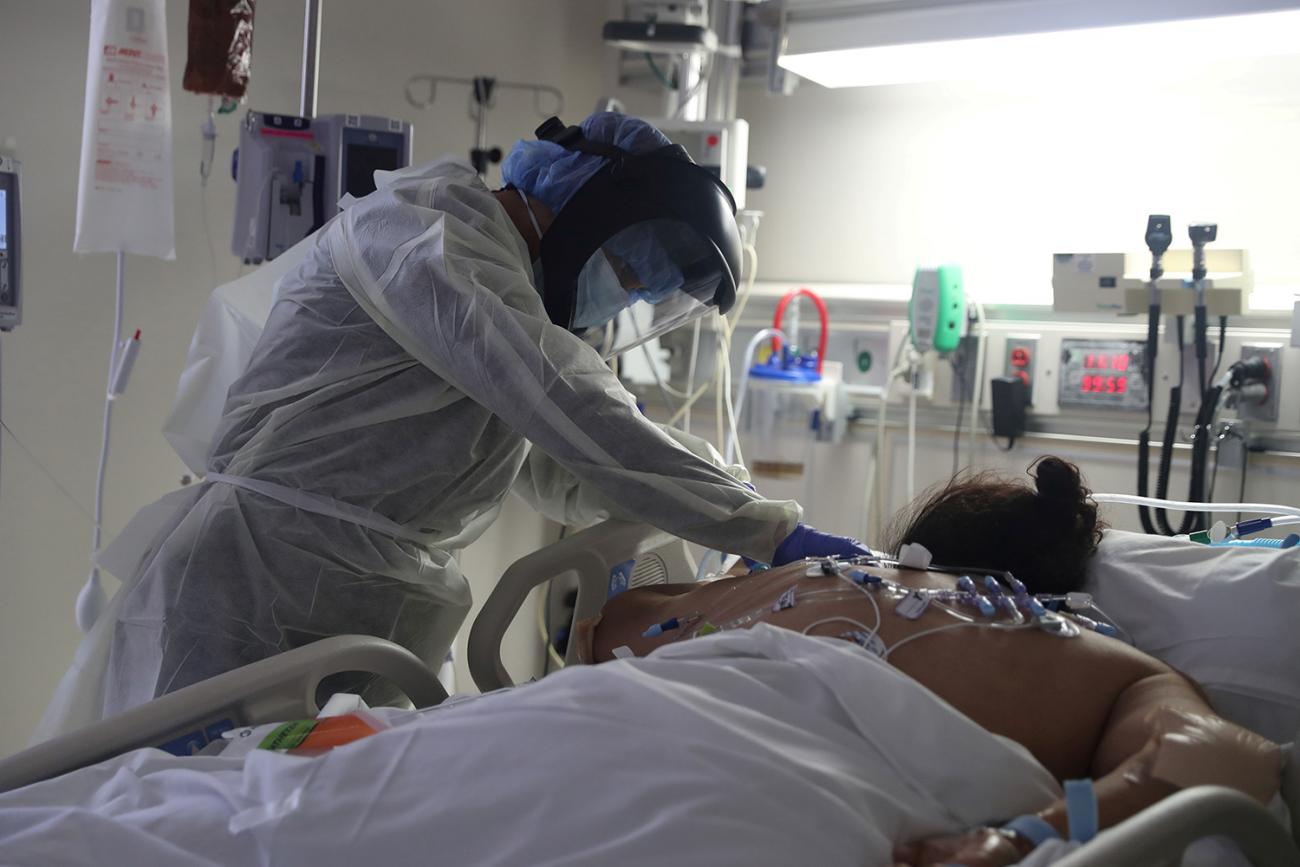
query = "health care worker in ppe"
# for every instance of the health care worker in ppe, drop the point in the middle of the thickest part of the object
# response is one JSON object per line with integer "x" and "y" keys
{"x": 431, "y": 335}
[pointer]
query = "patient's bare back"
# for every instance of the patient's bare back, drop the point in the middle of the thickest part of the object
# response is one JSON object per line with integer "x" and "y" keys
{"x": 1051, "y": 694}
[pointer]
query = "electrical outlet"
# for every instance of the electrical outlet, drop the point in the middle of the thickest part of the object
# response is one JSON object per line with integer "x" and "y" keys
{"x": 1266, "y": 411}
{"x": 1021, "y": 361}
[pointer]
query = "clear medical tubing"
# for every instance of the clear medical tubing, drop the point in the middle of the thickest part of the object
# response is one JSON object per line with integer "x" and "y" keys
{"x": 821, "y": 312}
{"x": 751, "y": 348}
{"x": 977, "y": 395}
{"x": 1185, "y": 506}
{"x": 92, "y": 597}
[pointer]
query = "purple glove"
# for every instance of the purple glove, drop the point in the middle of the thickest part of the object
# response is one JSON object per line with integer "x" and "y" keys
{"x": 806, "y": 542}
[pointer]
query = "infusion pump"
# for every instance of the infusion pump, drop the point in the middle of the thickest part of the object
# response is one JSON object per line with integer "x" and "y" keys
{"x": 721, "y": 146}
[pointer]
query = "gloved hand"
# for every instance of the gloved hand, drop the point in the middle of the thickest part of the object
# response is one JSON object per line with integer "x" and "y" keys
{"x": 807, "y": 542}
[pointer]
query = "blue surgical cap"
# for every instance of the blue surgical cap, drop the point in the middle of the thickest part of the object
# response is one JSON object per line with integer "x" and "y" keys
{"x": 551, "y": 173}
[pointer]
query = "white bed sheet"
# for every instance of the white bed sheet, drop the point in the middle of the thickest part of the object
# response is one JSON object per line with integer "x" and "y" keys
{"x": 756, "y": 747}
{"x": 1227, "y": 617}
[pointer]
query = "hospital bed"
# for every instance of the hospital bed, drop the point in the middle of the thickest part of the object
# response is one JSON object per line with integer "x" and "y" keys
{"x": 284, "y": 687}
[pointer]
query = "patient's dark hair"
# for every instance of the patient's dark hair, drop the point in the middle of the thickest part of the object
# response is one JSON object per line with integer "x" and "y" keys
{"x": 1043, "y": 535}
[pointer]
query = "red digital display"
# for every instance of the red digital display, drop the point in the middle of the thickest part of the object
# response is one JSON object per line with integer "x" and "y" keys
{"x": 1107, "y": 373}
{"x": 1098, "y": 383}
{"x": 1117, "y": 361}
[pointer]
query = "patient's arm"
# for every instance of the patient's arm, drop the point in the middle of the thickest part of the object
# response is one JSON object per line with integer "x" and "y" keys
{"x": 1161, "y": 736}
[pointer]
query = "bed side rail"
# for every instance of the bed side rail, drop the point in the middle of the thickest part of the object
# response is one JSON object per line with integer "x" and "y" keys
{"x": 589, "y": 555}
{"x": 281, "y": 687}
{"x": 1160, "y": 833}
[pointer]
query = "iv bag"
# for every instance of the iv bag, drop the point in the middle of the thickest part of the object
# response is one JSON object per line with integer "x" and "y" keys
{"x": 124, "y": 196}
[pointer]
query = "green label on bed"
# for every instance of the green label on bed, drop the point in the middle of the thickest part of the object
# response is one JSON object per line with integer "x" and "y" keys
{"x": 288, "y": 736}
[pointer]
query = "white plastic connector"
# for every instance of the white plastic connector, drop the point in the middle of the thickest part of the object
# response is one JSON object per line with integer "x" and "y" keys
{"x": 1078, "y": 600}
{"x": 914, "y": 556}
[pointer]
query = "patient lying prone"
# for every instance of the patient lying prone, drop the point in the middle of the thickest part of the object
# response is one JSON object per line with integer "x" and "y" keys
{"x": 1086, "y": 706}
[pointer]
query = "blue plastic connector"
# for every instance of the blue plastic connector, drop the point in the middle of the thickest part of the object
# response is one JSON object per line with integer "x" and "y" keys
{"x": 1100, "y": 628}
{"x": 857, "y": 576}
{"x": 1254, "y": 525}
{"x": 660, "y": 628}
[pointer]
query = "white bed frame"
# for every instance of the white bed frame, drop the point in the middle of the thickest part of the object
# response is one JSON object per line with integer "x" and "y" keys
{"x": 279, "y": 688}
{"x": 284, "y": 687}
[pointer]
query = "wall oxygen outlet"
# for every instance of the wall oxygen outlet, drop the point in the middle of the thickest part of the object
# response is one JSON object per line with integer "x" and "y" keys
{"x": 1266, "y": 409}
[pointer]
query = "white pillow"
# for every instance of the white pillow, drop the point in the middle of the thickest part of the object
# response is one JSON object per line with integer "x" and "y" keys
{"x": 1227, "y": 617}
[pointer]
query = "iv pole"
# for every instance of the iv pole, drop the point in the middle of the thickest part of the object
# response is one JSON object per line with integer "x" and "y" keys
{"x": 483, "y": 90}
{"x": 310, "y": 58}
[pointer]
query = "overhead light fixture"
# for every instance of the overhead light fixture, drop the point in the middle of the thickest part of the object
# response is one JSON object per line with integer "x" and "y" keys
{"x": 660, "y": 37}
{"x": 893, "y": 43}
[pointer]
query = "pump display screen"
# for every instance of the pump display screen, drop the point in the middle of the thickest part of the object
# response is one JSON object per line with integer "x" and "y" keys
{"x": 1107, "y": 373}
{"x": 4, "y": 220}
{"x": 361, "y": 162}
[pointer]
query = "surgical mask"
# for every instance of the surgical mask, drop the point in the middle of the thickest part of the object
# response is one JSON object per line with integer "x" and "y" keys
{"x": 600, "y": 295}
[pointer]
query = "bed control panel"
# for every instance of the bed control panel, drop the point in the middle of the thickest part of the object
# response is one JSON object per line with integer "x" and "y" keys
{"x": 1103, "y": 374}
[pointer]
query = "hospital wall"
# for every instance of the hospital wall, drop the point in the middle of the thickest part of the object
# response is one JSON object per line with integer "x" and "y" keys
{"x": 864, "y": 184}
{"x": 54, "y": 364}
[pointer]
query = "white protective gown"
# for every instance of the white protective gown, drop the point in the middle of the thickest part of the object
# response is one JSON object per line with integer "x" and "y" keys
{"x": 378, "y": 426}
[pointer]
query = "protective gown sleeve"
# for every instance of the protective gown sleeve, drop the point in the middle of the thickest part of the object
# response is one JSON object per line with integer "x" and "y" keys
{"x": 437, "y": 264}
{"x": 551, "y": 489}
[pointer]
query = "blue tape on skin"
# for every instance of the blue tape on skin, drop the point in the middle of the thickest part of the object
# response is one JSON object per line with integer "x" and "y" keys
{"x": 1033, "y": 829}
{"x": 1081, "y": 808}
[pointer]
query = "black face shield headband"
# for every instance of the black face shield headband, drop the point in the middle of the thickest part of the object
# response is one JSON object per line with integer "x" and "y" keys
{"x": 664, "y": 184}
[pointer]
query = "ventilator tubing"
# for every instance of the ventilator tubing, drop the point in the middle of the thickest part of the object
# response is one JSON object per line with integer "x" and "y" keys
{"x": 1186, "y": 506}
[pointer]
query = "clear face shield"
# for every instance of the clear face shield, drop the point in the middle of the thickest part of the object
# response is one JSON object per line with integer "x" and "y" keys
{"x": 662, "y": 272}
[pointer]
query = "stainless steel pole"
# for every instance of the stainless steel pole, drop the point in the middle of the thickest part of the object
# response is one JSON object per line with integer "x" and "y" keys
{"x": 310, "y": 58}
